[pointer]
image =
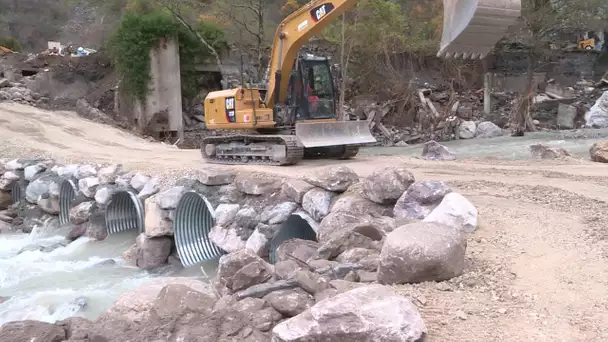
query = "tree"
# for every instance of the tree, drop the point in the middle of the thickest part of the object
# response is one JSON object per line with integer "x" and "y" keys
{"x": 249, "y": 18}
{"x": 543, "y": 20}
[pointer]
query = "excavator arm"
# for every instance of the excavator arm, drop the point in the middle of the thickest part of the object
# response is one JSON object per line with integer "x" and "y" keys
{"x": 293, "y": 32}
{"x": 470, "y": 30}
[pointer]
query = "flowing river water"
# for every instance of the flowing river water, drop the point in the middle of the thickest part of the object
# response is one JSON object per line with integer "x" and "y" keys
{"x": 53, "y": 285}
{"x": 74, "y": 280}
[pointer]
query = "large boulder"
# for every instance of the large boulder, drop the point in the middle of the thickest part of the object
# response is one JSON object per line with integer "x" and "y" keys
{"x": 257, "y": 184}
{"x": 317, "y": 203}
{"x": 487, "y": 129}
{"x": 420, "y": 199}
{"x": 420, "y": 251}
{"x": 134, "y": 306}
{"x": 368, "y": 313}
{"x": 466, "y": 130}
{"x": 455, "y": 211}
{"x": 358, "y": 205}
{"x": 39, "y": 187}
{"x": 545, "y": 152}
{"x": 597, "y": 116}
{"x": 29, "y": 331}
{"x": 152, "y": 252}
{"x": 333, "y": 178}
{"x": 156, "y": 221}
{"x": 385, "y": 186}
{"x": 340, "y": 231}
{"x": 295, "y": 189}
{"x": 599, "y": 152}
{"x": 215, "y": 176}
{"x": 433, "y": 150}
{"x": 241, "y": 270}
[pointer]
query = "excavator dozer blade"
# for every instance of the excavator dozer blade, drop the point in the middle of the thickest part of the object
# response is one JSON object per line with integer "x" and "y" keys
{"x": 333, "y": 133}
{"x": 471, "y": 28}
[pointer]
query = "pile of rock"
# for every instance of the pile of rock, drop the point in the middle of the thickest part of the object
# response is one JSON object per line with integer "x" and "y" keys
{"x": 387, "y": 228}
{"x": 37, "y": 204}
{"x": 20, "y": 93}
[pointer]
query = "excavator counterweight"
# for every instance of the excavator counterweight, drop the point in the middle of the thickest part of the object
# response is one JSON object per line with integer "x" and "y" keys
{"x": 298, "y": 117}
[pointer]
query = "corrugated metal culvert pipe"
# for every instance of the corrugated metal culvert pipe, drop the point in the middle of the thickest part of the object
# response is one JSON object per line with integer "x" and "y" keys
{"x": 18, "y": 191}
{"x": 295, "y": 227}
{"x": 193, "y": 220}
{"x": 67, "y": 192}
{"x": 125, "y": 212}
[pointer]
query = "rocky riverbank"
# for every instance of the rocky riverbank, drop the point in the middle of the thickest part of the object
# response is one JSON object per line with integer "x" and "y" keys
{"x": 353, "y": 238}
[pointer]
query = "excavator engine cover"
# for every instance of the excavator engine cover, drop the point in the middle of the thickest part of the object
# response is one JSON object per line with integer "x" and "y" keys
{"x": 333, "y": 133}
{"x": 471, "y": 28}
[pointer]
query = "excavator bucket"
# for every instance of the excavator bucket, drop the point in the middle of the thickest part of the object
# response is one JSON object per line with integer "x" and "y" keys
{"x": 471, "y": 28}
{"x": 333, "y": 133}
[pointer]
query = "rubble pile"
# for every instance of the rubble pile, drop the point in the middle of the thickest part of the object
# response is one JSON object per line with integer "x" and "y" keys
{"x": 20, "y": 93}
{"x": 440, "y": 115}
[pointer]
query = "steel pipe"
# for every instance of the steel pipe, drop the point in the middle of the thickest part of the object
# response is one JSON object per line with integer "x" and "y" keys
{"x": 67, "y": 192}
{"x": 295, "y": 227}
{"x": 194, "y": 218}
{"x": 18, "y": 191}
{"x": 125, "y": 212}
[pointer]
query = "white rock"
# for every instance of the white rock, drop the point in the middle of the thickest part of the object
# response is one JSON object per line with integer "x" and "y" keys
{"x": 597, "y": 116}
{"x": 13, "y": 165}
{"x": 226, "y": 238}
{"x": 103, "y": 195}
{"x": 225, "y": 213}
{"x": 152, "y": 187}
{"x": 139, "y": 181}
{"x": 156, "y": 223}
{"x": 66, "y": 171}
{"x": 107, "y": 175}
{"x": 31, "y": 171}
{"x": 466, "y": 130}
{"x": 10, "y": 175}
{"x": 455, "y": 211}
{"x": 487, "y": 129}
{"x": 85, "y": 171}
{"x": 258, "y": 243}
{"x": 88, "y": 186}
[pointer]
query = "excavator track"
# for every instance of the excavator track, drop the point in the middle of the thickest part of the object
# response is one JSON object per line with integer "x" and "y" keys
{"x": 252, "y": 149}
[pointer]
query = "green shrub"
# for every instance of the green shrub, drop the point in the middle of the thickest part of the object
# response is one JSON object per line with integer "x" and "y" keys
{"x": 10, "y": 43}
{"x": 130, "y": 45}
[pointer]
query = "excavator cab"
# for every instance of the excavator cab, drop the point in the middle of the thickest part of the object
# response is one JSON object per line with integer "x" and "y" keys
{"x": 311, "y": 103}
{"x": 311, "y": 93}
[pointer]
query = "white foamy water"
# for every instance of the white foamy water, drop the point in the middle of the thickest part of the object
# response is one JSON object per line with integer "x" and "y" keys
{"x": 53, "y": 285}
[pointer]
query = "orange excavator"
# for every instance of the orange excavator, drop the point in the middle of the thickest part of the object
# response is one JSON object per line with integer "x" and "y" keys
{"x": 297, "y": 118}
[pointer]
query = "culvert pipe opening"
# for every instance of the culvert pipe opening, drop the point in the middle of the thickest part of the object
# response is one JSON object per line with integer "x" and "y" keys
{"x": 17, "y": 191}
{"x": 193, "y": 220}
{"x": 125, "y": 212}
{"x": 67, "y": 193}
{"x": 295, "y": 227}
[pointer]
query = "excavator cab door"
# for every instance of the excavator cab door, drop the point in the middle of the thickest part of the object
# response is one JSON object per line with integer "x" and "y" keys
{"x": 311, "y": 91}
{"x": 318, "y": 102}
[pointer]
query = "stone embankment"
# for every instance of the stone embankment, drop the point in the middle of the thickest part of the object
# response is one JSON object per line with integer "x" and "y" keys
{"x": 299, "y": 259}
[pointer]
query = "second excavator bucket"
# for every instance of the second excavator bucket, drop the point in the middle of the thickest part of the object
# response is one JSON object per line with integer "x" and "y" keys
{"x": 333, "y": 133}
{"x": 471, "y": 28}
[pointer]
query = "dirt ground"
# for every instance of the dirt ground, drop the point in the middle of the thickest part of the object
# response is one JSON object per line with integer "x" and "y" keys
{"x": 537, "y": 267}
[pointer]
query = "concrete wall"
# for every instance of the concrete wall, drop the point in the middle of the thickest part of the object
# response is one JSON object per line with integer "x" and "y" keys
{"x": 162, "y": 109}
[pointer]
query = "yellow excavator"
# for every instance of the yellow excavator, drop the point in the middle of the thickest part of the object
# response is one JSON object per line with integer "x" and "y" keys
{"x": 298, "y": 117}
